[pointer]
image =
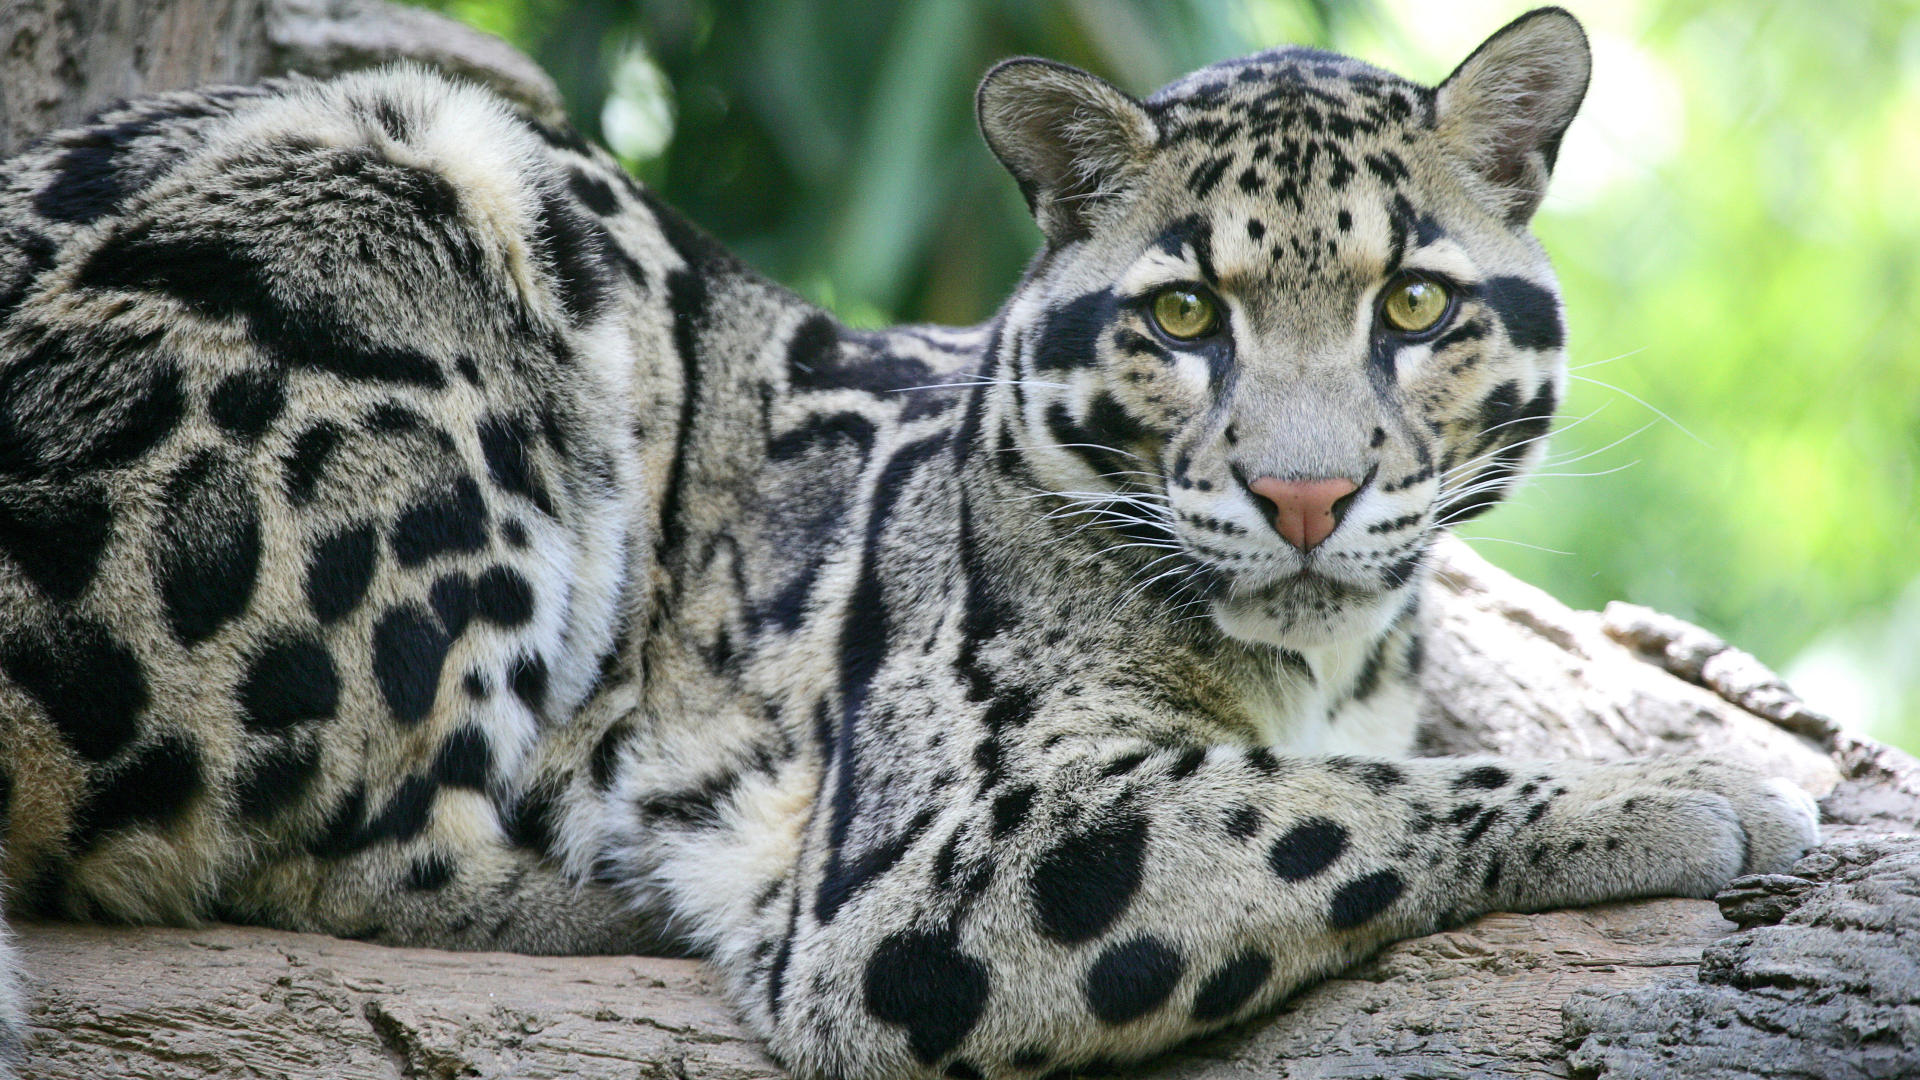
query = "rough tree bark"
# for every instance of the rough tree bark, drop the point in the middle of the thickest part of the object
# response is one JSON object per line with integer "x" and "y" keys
{"x": 1810, "y": 974}
{"x": 62, "y": 59}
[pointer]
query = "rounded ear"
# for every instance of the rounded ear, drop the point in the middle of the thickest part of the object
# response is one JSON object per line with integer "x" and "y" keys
{"x": 1070, "y": 139}
{"x": 1504, "y": 109}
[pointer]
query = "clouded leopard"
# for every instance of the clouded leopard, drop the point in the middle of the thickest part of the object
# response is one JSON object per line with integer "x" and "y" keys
{"x": 411, "y": 529}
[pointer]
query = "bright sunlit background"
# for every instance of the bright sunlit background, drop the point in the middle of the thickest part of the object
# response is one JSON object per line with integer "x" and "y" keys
{"x": 1736, "y": 220}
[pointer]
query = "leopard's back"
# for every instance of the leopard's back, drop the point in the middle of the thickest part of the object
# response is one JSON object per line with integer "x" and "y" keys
{"x": 320, "y": 494}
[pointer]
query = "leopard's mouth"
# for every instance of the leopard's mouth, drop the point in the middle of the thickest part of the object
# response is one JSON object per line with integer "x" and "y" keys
{"x": 1304, "y": 588}
{"x": 1310, "y": 587}
{"x": 1274, "y": 578}
{"x": 1307, "y": 608}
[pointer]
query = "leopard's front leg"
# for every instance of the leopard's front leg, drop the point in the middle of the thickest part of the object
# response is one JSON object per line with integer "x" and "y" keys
{"x": 1111, "y": 900}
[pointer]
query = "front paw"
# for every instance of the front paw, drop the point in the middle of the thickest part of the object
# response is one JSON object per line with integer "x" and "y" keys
{"x": 1684, "y": 827}
{"x": 1778, "y": 821}
{"x": 1782, "y": 822}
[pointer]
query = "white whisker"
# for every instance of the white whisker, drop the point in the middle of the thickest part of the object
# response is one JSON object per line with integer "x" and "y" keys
{"x": 1558, "y": 462}
{"x": 978, "y": 380}
{"x": 1148, "y": 584}
{"x": 1073, "y": 446}
{"x": 1515, "y": 543}
{"x": 1508, "y": 447}
{"x": 1503, "y": 448}
{"x": 1646, "y": 405}
{"x": 1608, "y": 360}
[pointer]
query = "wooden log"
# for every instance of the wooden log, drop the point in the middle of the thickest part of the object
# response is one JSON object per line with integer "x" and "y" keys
{"x": 232, "y": 1002}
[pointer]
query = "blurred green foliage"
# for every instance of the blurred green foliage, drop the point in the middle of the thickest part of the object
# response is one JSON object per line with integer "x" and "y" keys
{"x": 1736, "y": 220}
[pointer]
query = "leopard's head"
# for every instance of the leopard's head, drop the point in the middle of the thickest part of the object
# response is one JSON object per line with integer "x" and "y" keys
{"x": 1289, "y": 320}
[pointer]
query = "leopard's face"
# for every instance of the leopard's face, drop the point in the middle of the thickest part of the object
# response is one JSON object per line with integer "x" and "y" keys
{"x": 1294, "y": 339}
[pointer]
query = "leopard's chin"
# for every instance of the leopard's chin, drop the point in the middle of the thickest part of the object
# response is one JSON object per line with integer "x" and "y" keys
{"x": 1304, "y": 611}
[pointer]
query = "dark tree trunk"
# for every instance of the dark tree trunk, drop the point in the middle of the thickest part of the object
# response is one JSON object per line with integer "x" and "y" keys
{"x": 63, "y": 59}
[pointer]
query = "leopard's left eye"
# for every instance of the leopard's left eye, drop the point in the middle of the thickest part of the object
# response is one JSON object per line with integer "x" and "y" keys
{"x": 1414, "y": 305}
{"x": 1184, "y": 313}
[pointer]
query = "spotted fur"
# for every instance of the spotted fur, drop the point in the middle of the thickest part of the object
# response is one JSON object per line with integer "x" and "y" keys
{"x": 411, "y": 530}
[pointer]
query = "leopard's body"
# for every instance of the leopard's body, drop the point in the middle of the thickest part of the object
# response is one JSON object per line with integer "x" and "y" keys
{"x": 409, "y": 529}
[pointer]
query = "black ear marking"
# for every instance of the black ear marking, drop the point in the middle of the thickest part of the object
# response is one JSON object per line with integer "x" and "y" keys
{"x": 1506, "y": 107}
{"x": 1070, "y": 139}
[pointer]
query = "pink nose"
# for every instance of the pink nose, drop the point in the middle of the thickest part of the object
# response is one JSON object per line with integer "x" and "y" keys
{"x": 1303, "y": 510}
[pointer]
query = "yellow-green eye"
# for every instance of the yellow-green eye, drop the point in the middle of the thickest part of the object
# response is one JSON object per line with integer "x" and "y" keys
{"x": 1184, "y": 313}
{"x": 1414, "y": 304}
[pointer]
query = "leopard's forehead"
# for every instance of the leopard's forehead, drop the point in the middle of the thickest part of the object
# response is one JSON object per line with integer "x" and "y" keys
{"x": 1282, "y": 124}
{"x": 1307, "y": 172}
{"x": 1270, "y": 90}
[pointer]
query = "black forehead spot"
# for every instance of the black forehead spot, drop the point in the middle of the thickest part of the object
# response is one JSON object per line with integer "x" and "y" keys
{"x": 1206, "y": 175}
{"x": 1340, "y": 170}
{"x": 1401, "y": 223}
{"x": 1191, "y": 232}
{"x": 1388, "y": 166}
{"x": 1212, "y": 130}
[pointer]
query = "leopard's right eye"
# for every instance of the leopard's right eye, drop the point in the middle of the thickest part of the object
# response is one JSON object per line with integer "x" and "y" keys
{"x": 1183, "y": 313}
{"x": 1414, "y": 305}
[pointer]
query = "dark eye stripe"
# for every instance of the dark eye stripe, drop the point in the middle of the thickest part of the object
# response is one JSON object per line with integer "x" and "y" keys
{"x": 1472, "y": 329}
{"x": 1134, "y": 343}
